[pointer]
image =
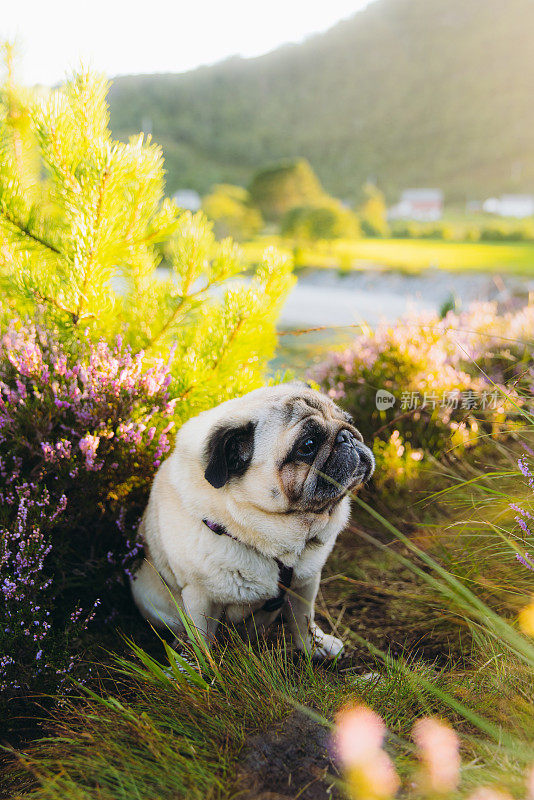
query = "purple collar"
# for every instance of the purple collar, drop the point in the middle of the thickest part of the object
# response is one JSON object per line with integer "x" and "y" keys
{"x": 220, "y": 530}
{"x": 285, "y": 574}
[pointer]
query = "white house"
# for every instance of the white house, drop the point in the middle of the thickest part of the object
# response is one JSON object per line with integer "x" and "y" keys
{"x": 510, "y": 205}
{"x": 423, "y": 205}
{"x": 188, "y": 199}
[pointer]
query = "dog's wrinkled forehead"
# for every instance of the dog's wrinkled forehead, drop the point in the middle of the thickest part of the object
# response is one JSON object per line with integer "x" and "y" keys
{"x": 309, "y": 404}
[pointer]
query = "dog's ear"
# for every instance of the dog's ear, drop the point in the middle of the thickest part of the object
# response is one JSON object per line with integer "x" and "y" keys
{"x": 229, "y": 453}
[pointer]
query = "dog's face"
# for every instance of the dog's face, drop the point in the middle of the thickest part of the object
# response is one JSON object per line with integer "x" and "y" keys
{"x": 288, "y": 450}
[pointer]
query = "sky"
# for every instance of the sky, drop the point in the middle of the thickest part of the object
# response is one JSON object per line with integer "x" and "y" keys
{"x": 119, "y": 37}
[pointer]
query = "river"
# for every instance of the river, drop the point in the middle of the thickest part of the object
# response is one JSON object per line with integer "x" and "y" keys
{"x": 329, "y": 301}
{"x": 326, "y": 298}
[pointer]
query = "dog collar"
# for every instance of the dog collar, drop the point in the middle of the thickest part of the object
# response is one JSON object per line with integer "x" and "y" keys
{"x": 285, "y": 574}
{"x": 220, "y": 530}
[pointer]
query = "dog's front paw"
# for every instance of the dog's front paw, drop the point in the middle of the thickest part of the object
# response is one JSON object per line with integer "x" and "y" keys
{"x": 325, "y": 646}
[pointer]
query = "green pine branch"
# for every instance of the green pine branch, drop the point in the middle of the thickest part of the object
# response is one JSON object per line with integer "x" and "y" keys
{"x": 25, "y": 231}
{"x": 84, "y": 246}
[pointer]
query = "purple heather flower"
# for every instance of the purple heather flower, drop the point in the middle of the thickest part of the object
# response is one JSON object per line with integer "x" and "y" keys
{"x": 523, "y": 525}
{"x": 526, "y": 470}
{"x": 521, "y": 511}
{"x": 100, "y": 413}
{"x": 524, "y": 562}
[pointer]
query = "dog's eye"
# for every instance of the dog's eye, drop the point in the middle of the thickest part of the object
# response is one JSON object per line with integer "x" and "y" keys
{"x": 307, "y": 448}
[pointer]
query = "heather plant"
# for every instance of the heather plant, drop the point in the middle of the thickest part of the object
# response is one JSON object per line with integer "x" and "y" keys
{"x": 454, "y": 382}
{"x": 80, "y": 440}
{"x": 34, "y": 644}
{"x": 525, "y": 518}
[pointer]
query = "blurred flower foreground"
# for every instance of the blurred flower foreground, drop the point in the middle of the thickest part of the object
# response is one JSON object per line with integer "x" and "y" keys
{"x": 370, "y": 773}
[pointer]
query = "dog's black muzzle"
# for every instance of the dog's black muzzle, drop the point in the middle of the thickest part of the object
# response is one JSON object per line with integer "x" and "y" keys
{"x": 349, "y": 464}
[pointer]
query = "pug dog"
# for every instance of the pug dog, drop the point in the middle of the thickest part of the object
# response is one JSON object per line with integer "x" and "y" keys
{"x": 244, "y": 513}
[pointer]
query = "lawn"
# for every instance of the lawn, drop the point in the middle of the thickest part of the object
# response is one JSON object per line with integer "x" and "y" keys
{"x": 411, "y": 255}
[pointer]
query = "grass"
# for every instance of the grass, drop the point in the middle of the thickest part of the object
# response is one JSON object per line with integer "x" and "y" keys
{"x": 161, "y": 734}
{"x": 410, "y": 255}
{"x": 437, "y": 635}
{"x": 150, "y": 733}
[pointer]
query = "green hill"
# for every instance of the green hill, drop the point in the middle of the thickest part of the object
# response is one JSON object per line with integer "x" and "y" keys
{"x": 409, "y": 92}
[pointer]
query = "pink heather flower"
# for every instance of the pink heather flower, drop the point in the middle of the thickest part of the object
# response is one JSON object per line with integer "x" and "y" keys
{"x": 48, "y": 451}
{"x": 523, "y": 525}
{"x": 88, "y": 446}
{"x": 61, "y": 449}
{"x": 524, "y": 562}
{"x": 526, "y": 470}
{"x": 21, "y": 389}
{"x": 375, "y": 779}
{"x": 151, "y": 384}
{"x": 438, "y": 748}
{"x": 359, "y": 734}
{"x": 358, "y": 740}
{"x": 530, "y": 784}
{"x": 522, "y": 511}
{"x": 488, "y": 793}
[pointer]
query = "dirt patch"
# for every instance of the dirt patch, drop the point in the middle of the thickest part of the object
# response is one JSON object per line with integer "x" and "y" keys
{"x": 291, "y": 760}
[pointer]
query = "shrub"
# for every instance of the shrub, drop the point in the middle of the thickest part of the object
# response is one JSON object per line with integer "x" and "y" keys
{"x": 80, "y": 440}
{"x": 405, "y": 230}
{"x": 427, "y": 230}
{"x": 373, "y": 212}
{"x": 441, "y": 373}
{"x": 497, "y": 231}
{"x": 81, "y": 251}
{"x": 472, "y": 233}
{"x": 507, "y": 232}
{"x": 440, "y": 232}
{"x": 281, "y": 187}
{"x": 230, "y": 210}
{"x": 328, "y": 221}
{"x": 493, "y": 233}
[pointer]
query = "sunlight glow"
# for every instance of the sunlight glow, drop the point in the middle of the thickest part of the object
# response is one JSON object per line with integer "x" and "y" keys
{"x": 120, "y": 37}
